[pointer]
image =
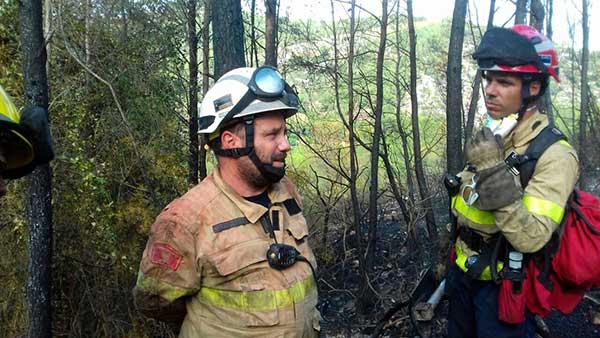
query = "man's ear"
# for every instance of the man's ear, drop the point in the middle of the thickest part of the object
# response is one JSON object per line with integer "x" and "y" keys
{"x": 534, "y": 87}
{"x": 230, "y": 140}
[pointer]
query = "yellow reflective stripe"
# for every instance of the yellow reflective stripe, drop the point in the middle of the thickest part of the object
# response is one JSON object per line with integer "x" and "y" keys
{"x": 166, "y": 290}
{"x": 564, "y": 142}
{"x": 544, "y": 207}
{"x": 263, "y": 300}
{"x": 471, "y": 213}
{"x": 461, "y": 261}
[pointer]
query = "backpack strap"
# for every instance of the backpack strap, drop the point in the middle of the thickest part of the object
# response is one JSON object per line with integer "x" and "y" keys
{"x": 525, "y": 163}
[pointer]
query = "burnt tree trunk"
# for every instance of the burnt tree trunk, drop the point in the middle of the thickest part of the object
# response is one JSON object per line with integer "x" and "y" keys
{"x": 454, "y": 108}
{"x": 421, "y": 181}
{"x": 271, "y": 32}
{"x": 192, "y": 94}
{"x": 477, "y": 89}
{"x": 228, "y": 35}
{"x": 521, "y": 11}
{"x": 205, "y": 81}
{"x": 583, "y": 104}
{"x": 39, "y": 202}
{"x": 374, "y": 184}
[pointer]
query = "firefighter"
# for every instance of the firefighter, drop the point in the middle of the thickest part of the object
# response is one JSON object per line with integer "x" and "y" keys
{"x": 25, "y": 140}
{"x": 230, "y": 258}
{"x": 492, "y": 203}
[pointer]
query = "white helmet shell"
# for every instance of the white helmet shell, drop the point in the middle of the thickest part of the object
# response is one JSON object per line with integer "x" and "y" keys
{"x": 226, "y": 93}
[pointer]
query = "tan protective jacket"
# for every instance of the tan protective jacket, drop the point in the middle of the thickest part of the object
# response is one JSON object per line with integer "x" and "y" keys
{"x": 527, "y": 223}
{"x": 208, "y": 249}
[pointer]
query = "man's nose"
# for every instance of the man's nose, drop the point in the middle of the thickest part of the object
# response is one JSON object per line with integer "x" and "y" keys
{"x": 284, "y": 145}
{"x": 490, "y": 89}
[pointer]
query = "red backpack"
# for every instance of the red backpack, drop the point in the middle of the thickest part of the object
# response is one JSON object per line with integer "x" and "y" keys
{"x": 569, "y": 265}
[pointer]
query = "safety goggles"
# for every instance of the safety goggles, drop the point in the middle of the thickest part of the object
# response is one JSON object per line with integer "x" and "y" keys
{"x": 266, "y": 84}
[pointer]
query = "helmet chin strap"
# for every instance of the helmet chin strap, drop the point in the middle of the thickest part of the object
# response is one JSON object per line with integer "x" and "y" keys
{"x": 269, "y": 172}
{"x": 527, "y": 98}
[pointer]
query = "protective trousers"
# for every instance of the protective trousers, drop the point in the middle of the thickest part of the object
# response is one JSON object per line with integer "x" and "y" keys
{"x": 473, "y": 311}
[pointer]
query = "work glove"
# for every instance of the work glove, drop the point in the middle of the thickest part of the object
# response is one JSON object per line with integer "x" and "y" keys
{"x": 484, "y": 150}
{"x": 496, "y": 185}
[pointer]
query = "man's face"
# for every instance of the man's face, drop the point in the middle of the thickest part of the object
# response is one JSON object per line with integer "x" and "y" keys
{"x": 502, "y": 93}
{"x": 271, "y": 145}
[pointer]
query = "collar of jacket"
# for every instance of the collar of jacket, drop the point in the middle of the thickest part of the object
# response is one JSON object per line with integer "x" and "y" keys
{"x": 526, "y": 131}
{"x": 277, "y": 194}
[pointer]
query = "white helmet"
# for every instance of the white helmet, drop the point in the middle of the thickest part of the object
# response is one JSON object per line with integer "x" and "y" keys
{"x": 243, "y": 92}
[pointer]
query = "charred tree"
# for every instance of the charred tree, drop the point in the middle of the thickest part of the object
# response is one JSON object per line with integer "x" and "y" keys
{"x": 583, "y": 104}
{"x": 192, "y": 94}
{"x": 39, "y": 201}
{"x": 477, "y": 89}
{"x": 271, "y": 32}
{"x": 205, "y": 81}
{"x": 421, "y": 181}
{"x": 454, "y": 108}
{"x": 228, "y": 35}
{"x": 521, "y": 11}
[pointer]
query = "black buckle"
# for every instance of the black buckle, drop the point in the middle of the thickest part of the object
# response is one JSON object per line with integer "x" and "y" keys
{"x": 512, "y": 161}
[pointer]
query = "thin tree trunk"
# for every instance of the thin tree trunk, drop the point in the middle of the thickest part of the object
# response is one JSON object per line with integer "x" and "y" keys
{"x": 583, "y": 104}
{"x": 271, "y": 33}
{"x": 423, "y": 190}
{"x": 573, "y": 56}
{"x": 536, "y": 19}
{"x": 47, "y": 28}
{"x": 550, "y": 10}
{"x": 192, "y": 94}
{"x": 374, "y": 186}
{"x": 477, "y": 89}
{"x": 363, "y": 271}
{"x": 403, "y": 135}
{"x": 253, "y": 51}
{"x": 537, "y": 15}
{"x": 521, "y": 11}
{"x": 228, "y": 35}
{"x": 205, "y": 81}
{"x": 454, "y": 108}
{"x": 39, "y": 206}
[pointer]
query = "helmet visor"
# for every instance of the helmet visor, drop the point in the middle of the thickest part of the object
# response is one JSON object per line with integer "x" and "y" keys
{"x": 266, "y": 85}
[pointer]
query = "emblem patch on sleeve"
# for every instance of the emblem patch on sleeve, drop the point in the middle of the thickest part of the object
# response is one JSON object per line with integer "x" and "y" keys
{"x": 165, "y": 255}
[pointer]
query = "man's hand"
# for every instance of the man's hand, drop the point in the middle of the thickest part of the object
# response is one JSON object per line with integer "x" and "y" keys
{"x": 484, "y": 150}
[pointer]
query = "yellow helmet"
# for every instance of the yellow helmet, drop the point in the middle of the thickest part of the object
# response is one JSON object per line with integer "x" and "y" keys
{"x": 17, "y": 150}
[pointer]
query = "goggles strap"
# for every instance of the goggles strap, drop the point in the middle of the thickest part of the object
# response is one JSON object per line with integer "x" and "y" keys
{"x": 248, "y": 97}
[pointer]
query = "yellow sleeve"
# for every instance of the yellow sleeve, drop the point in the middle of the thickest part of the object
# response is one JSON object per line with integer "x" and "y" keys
{"x": 528, "y": 223}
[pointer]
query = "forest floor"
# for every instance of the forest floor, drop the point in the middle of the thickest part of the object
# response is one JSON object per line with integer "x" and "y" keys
{"x": 395, "y": 274}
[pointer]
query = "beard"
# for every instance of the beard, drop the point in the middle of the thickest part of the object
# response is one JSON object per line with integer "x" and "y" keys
{"x": 261, "y": 177}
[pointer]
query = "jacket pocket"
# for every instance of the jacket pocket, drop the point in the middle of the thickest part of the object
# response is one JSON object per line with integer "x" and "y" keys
{"x": 240, "y": 256}
{"x": 298, "y": 229}
{"x": 240, "y": 286}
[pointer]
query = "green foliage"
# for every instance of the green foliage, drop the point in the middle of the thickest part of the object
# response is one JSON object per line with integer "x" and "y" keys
{"x": 121, "y": 139}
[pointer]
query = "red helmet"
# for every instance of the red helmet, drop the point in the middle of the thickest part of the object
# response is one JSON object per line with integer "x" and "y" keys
{"x": 503, "y": 50}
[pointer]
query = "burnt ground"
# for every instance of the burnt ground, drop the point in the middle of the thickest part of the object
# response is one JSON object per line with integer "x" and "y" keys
{"x": 395, "y": 272}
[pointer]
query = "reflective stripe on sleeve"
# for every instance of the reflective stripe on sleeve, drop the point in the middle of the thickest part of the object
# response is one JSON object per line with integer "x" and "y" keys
{"x": 461, "y": 260}
{"x": 263, "y": 300}
{"x": 544, "y": 207}
{"x": 471, "y": 213}
{"x": 163, "y": 289}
